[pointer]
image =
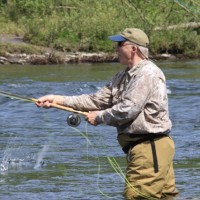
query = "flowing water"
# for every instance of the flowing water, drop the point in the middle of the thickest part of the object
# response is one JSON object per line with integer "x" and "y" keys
{"x": 41, "y": 157}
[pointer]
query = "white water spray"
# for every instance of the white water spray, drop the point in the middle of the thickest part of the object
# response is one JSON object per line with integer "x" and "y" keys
{"x": 41, "y": 156}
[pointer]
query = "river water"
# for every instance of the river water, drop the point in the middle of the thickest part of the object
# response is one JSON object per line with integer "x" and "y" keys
{"x": 41, "y": 157}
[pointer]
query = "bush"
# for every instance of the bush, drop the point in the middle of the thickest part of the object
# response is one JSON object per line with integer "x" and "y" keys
{"x": 85, "y": 25}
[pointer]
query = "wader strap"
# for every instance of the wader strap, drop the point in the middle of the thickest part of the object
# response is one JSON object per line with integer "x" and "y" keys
{"x": 150, "y": 138}
{"x": 155, "y": 160}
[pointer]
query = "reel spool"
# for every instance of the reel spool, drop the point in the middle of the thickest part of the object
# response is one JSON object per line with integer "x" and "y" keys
{"x": 73, "y": 120}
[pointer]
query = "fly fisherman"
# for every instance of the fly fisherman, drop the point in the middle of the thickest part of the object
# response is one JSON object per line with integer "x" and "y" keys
{"x": 135, "y": 102}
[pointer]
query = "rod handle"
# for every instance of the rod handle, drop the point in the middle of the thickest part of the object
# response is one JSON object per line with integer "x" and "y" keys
{"x": 54, "y": 105}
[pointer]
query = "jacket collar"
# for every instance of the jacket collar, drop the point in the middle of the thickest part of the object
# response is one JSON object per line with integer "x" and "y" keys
{"x": 135, "y": 68}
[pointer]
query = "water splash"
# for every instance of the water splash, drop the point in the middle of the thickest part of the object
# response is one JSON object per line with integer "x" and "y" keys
{"x": 6, "y": 157}
{"x": 3, "y": 167}
{"x": 41, "y": 154}
{"x": 15, "y": 158}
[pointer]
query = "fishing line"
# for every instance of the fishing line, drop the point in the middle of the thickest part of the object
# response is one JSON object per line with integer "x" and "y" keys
{"x": 116, "y": 167}
{"x": 45, "y": 147}
{"x": 33, "y": 100}
{"x": 118, "y": 170}
{"x": 111, "y": 160}
{"x": 73, "y": 119}
{"x": 89, "y": 143}
{"x": 8, "y": 157}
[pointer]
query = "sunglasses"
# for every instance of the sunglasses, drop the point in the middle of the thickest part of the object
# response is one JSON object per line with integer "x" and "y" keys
{"x": 121, "y": 44}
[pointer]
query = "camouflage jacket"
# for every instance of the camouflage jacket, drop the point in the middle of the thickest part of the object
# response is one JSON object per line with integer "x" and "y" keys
{"x": 135, "y": 101}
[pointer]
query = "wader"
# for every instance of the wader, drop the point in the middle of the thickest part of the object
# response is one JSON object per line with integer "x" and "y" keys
{"x": 150, "y": 167}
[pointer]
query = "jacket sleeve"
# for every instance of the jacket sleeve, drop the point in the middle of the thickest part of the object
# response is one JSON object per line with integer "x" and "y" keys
{"x": 102, "y": 99}
{"x": 133, "y": 101}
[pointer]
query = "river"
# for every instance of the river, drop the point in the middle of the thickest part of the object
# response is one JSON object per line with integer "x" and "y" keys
{"x": 41, "y": 157}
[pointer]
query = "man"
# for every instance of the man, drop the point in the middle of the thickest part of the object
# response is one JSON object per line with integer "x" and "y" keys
{"x": 135, "y": 102}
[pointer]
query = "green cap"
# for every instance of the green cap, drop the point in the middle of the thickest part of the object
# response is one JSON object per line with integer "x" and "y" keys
{"x": 134, "y": 35}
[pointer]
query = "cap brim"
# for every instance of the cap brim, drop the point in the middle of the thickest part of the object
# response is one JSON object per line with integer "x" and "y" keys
{"x": 116, "y": 38}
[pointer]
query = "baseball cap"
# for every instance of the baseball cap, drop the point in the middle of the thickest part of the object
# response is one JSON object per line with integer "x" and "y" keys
{"x": 134, "y": 35}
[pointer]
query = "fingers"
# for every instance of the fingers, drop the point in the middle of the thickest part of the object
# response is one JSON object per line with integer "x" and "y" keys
{"x": 45, "y": 104}
{"x": 91, "y": 118}
{"x": 45, "y": 101}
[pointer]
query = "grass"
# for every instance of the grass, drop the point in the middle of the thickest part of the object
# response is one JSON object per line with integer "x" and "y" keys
{"x": 71, "y": 26}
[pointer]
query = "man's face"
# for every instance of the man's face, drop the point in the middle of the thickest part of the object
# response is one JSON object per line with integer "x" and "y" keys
{"x": 125, "y": 53}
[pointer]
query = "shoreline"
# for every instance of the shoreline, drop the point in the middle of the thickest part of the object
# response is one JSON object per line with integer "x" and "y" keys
{"x": 56, "y": 58}
{"x": 47, "y": 56}
{"x": 73, "y": 58}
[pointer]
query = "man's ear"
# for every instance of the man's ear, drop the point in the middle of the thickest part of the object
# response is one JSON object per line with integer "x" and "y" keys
{"x": 134, "y": 48}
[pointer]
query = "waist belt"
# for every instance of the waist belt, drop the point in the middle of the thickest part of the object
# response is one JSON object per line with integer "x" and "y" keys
{"x": 149, "y": 137}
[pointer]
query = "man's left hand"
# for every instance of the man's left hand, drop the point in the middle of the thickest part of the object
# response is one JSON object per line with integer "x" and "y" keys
{"x": 91, "y": 117}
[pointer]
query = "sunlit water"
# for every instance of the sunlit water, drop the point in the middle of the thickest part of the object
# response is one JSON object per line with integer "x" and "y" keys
{"x": 41, "y": 157}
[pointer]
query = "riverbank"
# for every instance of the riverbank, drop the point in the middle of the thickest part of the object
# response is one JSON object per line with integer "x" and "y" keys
{"x": 15, "y": 51}
{"x": 77, "y": 57}
{"x": 56, "y": 58}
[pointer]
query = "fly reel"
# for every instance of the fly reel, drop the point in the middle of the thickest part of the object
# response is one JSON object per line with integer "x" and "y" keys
{"x": 73, "y": 120}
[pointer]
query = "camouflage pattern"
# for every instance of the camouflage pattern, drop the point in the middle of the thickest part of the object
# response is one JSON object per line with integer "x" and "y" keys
{"x": 135, "y": 101}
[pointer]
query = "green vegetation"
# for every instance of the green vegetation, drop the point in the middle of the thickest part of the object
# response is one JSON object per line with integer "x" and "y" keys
{"x": 84, "y": 25}
{"x": 21, "y": 48}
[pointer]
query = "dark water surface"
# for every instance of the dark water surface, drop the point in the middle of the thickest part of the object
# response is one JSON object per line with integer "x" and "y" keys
{"x": 41, "y": 157}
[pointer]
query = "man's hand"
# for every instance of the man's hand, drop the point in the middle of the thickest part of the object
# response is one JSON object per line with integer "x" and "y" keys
{"x": 46, "y": 101}
{"x": 91, "y": 117}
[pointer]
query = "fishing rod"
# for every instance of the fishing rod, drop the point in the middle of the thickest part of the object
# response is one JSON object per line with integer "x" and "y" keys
{"x": 72, "y": 120}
